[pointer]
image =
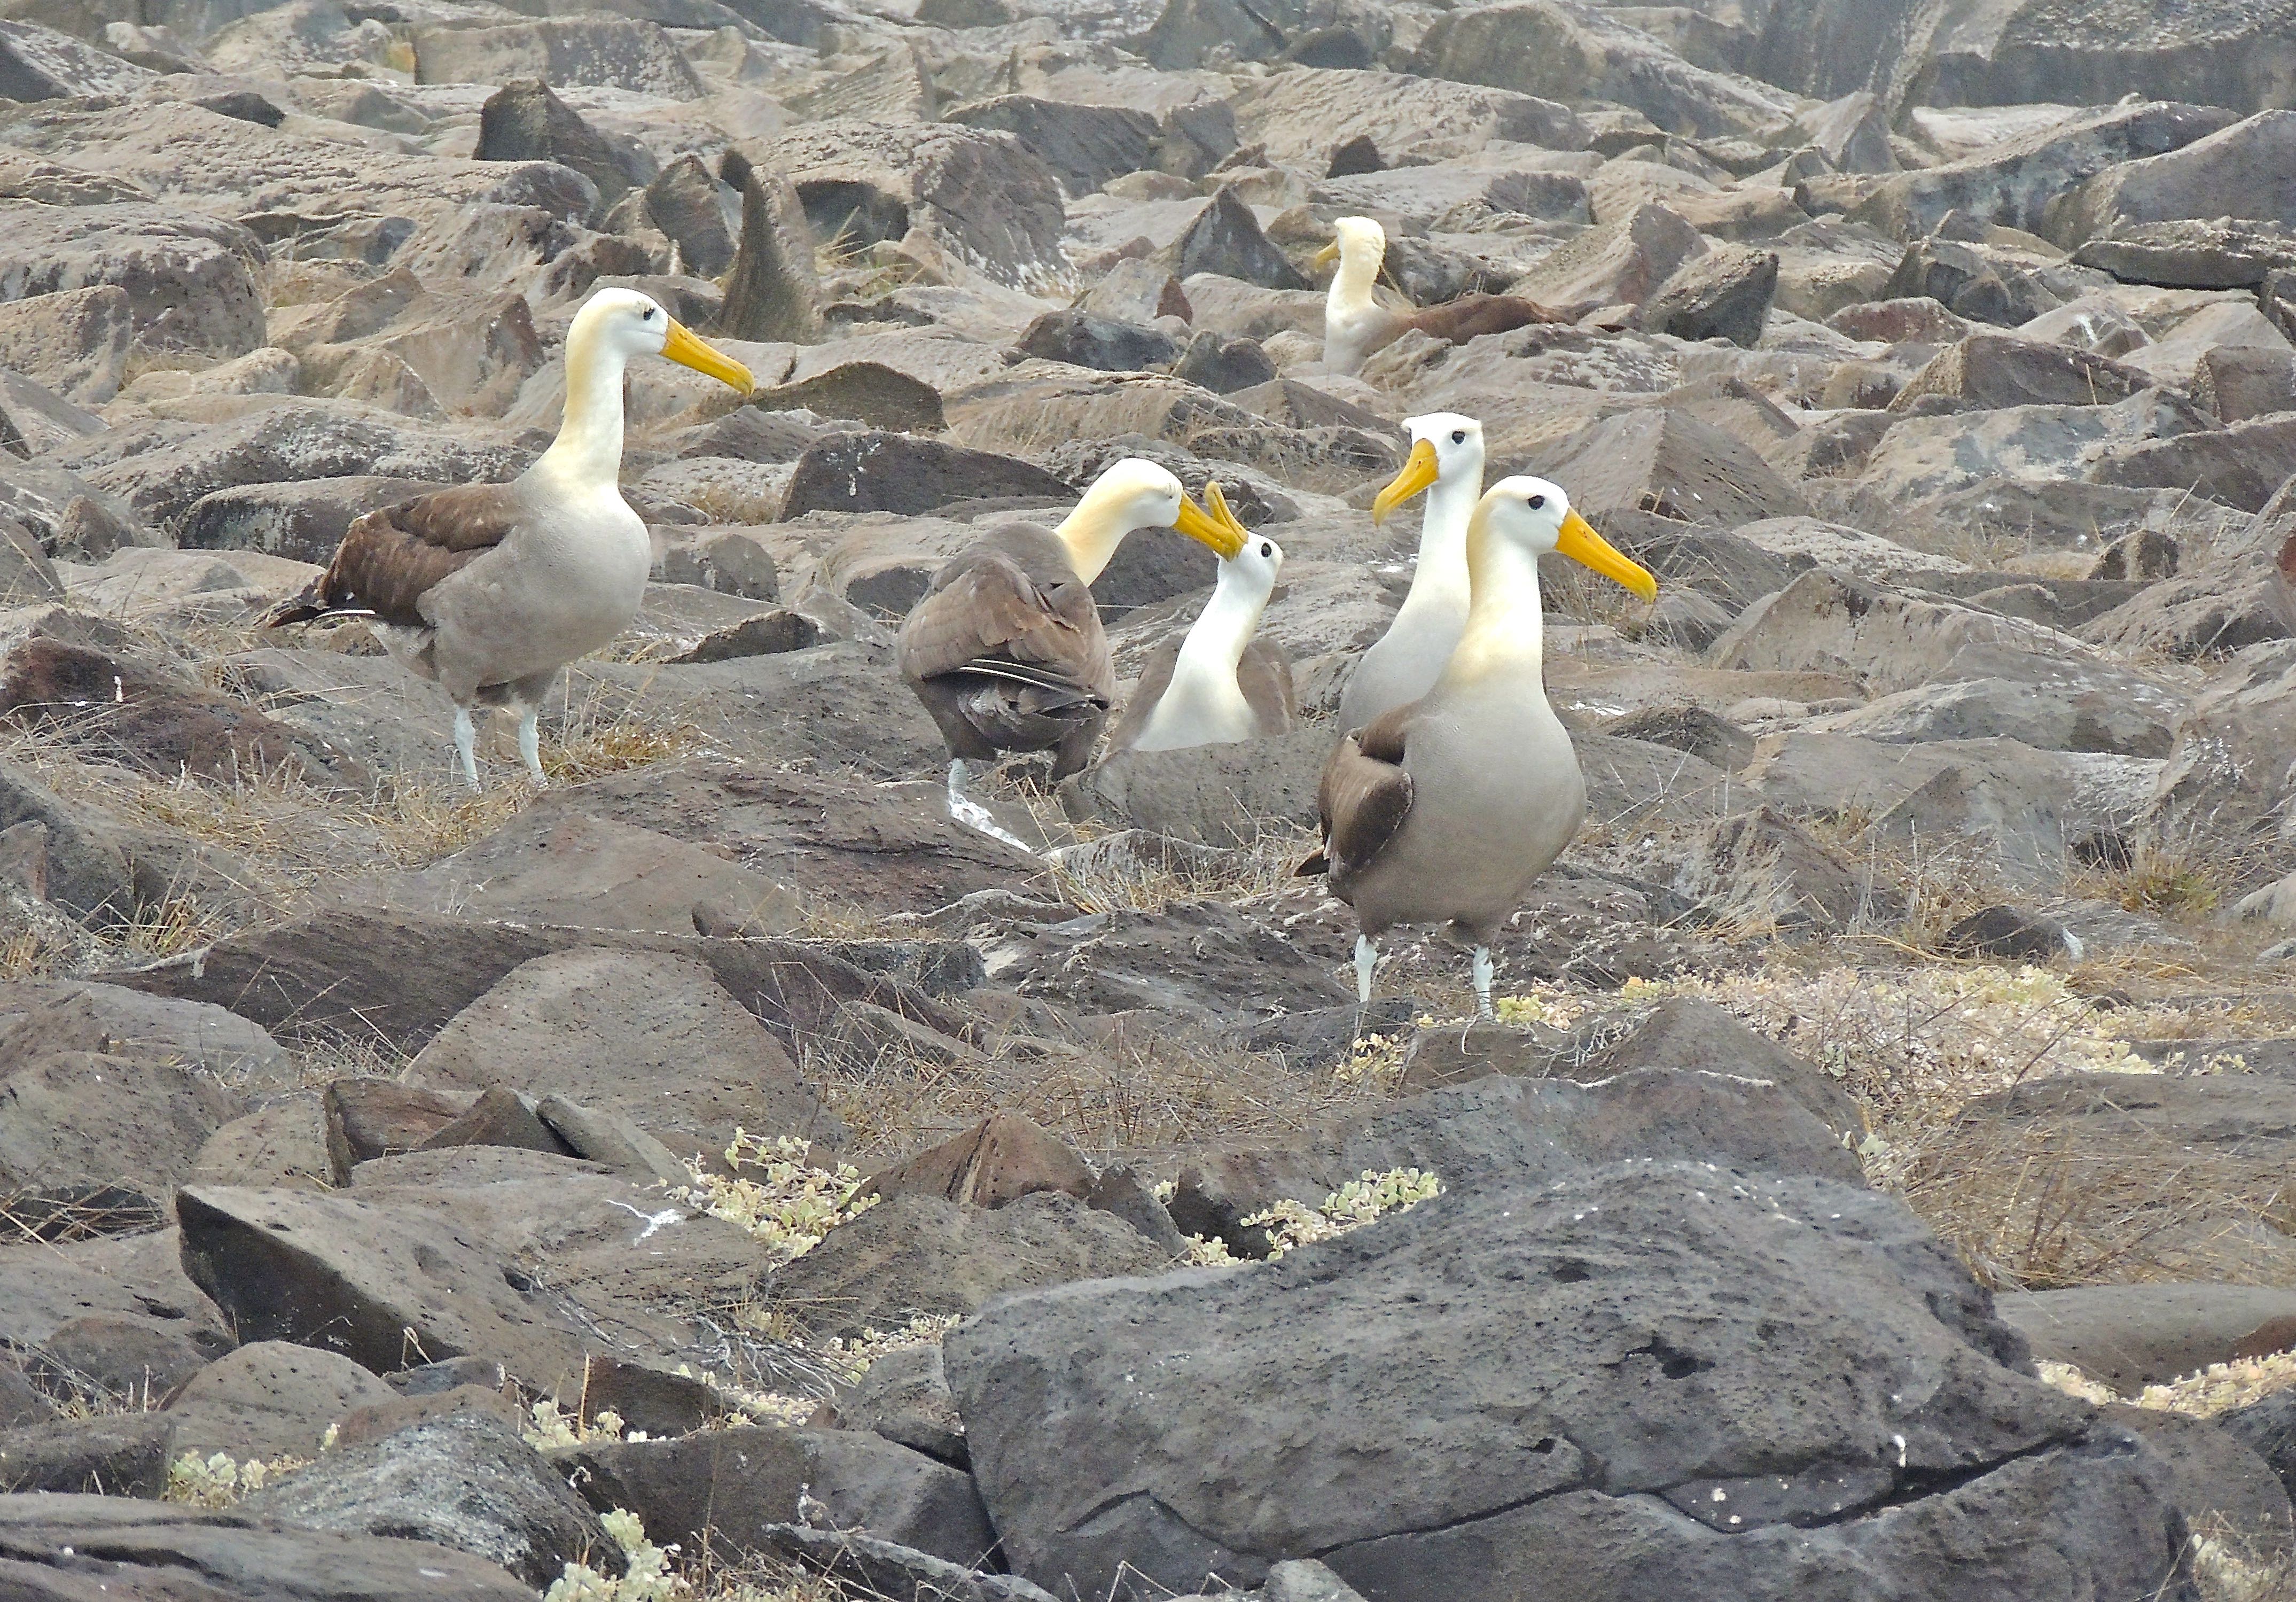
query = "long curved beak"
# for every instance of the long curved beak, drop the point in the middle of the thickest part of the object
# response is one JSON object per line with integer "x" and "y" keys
{"x": 687, "y": 351}
{"x": 1325, "y": 257}
{"x": 1418, "y": 473}
{"x": 1588, "y": 548}
{"x": 1217, "y": 503}
{"x": 1224, "y": 534}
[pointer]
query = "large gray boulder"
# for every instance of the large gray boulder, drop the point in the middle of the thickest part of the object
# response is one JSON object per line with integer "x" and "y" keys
{"x": 1747, "y": 1387}
{"x": 464, "y": 1479}
{"x": 620, "y": 53}
{"x": 2016, "y": 182}
{"x": 915, "y": 1255}
{"x": 190, "y": 280}
{"x": 2222, "y": 52}
{"x": 61, "y": 1548}
{"x": 650, "y": 1035}
{"x": 74, "y": 341}
{"x": 1567, "y": 51}
{"x": 524, "y": 121}
{"x": 41, "y": 63}
{"x": 2237, "y": 172}
{"x": 1085, "y": 144}
{"x": 982, "y": 197}
{"x": 720, "y": 1489}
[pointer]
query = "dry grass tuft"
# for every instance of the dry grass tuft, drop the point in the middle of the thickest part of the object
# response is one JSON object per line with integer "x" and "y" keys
{"x": 1101, "y": 875}
{"x": 1133, "y": 1091}
{"x": 274, "y": 841}
{"x": 2184, "y": 880}
{"x": 2227, "y": 1568}
{"x": 2025, "y": 1211}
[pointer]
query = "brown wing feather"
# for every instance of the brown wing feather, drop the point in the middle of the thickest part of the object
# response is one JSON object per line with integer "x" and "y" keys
{"x": 1155, "y": 679}
{"x": 1265, "y": 677}
{"x": 1365, "y": 793}
{"x": 390, "y": 557}
{"x": 1461, "y": 320}
{"x": 988, "y": 608}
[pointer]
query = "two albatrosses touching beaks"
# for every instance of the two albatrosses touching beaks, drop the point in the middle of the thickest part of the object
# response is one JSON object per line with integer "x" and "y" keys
{"x": 490, "y": 589}
{"x": 1355, "y": 324}
{"x": 1446, "y": 461}
{"x": 1218, "y": 685}
{"x": 1006, "y": 649}
{"x": 1444, "y": 810}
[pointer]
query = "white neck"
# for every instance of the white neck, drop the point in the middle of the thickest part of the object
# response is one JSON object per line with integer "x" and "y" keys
{"x": 1092, "y": 532}
{"x": 1217, "y": 642}
{"x": 588, "y": 449}
{"x": 1351, "y": 286}
{"x": 1502, "y": 644}
{"x": 1440, "y": 579}
{"x": 1203, "y": 698}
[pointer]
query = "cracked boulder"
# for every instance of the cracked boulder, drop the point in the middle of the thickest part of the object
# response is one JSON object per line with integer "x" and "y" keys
{"x": 977, "y": 198}
{"x": 1753, "y": 1388}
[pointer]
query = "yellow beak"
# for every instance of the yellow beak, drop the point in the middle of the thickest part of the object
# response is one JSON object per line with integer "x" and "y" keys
{"x": 688, "y": 352}
{"x": 1588, "y": 548}
{"x": 1418, "y": 473}
{"x": 1226, "y": 519}
{"x": 1224, "y": 534}
{"x": 1329, "y": 254}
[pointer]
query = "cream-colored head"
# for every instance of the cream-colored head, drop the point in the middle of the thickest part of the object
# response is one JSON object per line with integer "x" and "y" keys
{"x": 1534, "y": 516}
{"x": 613, "y": 326}
{"x": 1135, "y": 493}
{"x": 1446, "y": 447}
{"x": 1358, "y": 244}
{"x": 617, "y": 324}
{"x": 1255, "y": 568}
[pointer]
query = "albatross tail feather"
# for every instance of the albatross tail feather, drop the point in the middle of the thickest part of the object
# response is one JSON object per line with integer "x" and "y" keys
{"x": 308, "y": 604}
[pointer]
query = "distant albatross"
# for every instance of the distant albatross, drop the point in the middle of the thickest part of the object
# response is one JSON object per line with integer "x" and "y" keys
{"x": 1354, "y": 325}
{"x": 1218, "y": 685}
{"x": 1445, "y": 809}
{"x": 490, "y": 589}
{"x": 1446, "y": 461}
{"x": 1006, "y": 649}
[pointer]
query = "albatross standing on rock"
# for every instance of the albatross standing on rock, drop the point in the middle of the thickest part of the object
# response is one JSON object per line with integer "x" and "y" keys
{"x": 1006, "y": 649}
{"x": 1447, "y": 460}
{"x": 490, "y": 589}
{"x": 1354, "y": 325}
{"x": 1445, "y": 811}
{"x": 1219, "y": 685}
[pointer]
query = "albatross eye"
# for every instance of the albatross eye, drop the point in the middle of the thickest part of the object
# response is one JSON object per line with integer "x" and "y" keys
{"x": 1537, "y": 501}
{"x": 1459, "y": 436}
{"x": 647, "y": 314}
{"x": 1266, "y": 549}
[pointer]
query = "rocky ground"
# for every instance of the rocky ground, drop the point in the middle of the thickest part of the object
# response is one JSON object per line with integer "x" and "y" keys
{"x": 720, "y": 1175}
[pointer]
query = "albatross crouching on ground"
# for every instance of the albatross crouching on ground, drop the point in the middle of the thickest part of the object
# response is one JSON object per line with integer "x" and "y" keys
{"x": 490, "y": 589}
{"x": 1445, "y": 809}
{"x": 1355, "y": 324}
{"x": 1006, "y": 651}
{"x": 1218, "y": 685}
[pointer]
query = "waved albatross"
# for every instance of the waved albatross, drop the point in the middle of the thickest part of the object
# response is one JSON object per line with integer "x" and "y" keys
{"x": 1445, "y": 811}
{"x": 1218, "y": 685}
{"x": 1354, "y": 325}
{"x": 490, "y": 589}
{"x": 1006, "y": 649}
{"x": 1447, "y": 460}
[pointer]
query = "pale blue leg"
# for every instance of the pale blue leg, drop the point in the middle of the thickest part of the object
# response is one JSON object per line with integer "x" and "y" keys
{"x": 530, "y": 744}
{"x": 972, "y": 814}
{"x": 1483, "y": 984}
{"x": 1367, "y": 959}
{"x": 466, "y": 745}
